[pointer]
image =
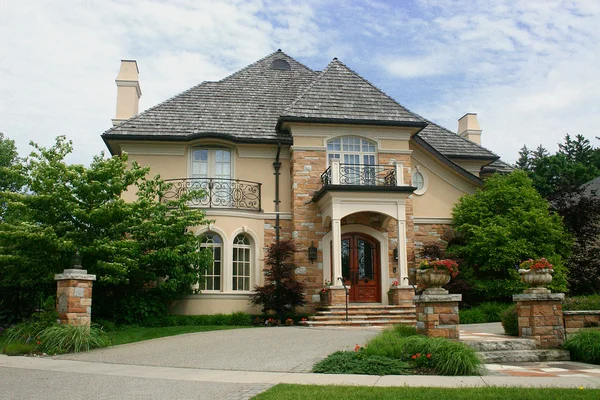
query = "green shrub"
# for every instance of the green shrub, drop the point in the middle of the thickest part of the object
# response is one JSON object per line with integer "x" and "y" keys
{"x": 240, "y": 319}
{"x": 584, "y": 346}
{"x": 106, "y": 326}
{"x": 61, "y": 339}
{"x": 483, "y": 313}
{"x": 510, "y": 321}
{"x": 405, "y": 330}
{"x": 579, "y": 303}
{"x": 18, "y": 349}
{"x": 347, "y": 362}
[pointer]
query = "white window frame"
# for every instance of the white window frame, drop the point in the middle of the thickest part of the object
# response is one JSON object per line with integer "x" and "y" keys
{"x": 420, "y": 171}
{"x": 211, "y": 161}
{"x": 248, "y": 251}
{"x": 361, "y": 153}
{"x": 206, "y": 276}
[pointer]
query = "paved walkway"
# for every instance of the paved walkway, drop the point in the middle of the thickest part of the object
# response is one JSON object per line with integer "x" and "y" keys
{"x": 238, "y": 364}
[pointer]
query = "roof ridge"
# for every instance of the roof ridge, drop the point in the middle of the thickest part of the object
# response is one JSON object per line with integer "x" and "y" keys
{"x": 247, "y": 67}
{"x": 135, "y": 117}
{"x": 308, "y": 88}
{"x": 372, "y": 85}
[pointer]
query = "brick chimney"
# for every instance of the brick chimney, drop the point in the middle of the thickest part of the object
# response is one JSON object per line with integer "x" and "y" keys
{"x": 128, "y": 91}
{"x": 468, "y": 128}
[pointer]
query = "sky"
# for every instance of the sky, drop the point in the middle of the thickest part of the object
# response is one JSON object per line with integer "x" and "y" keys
{"x": 529, "y": 69}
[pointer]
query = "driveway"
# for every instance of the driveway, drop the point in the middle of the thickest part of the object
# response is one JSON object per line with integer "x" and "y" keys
{"x": 281, "y": 349}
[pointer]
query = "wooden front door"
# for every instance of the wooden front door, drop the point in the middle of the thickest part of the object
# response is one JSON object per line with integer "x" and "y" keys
{"x": 360, "y": 267}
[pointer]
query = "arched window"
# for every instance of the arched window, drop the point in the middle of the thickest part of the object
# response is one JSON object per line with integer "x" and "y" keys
{"x": 419, "y": 180}
{"x": 212, "y": 275}
{"x": 352, "y": 150}
{"x": 242, "y": 263}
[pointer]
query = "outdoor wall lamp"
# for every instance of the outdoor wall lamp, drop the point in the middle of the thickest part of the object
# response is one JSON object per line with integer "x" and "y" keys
{"x": 312, "y": 252}
{"x": 396, "y": 254}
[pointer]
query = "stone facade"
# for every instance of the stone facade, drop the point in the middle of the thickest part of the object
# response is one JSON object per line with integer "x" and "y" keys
{"x": 430, "y": 233}
{"x": 540, "y": 318}
{"x": 437, "y": 315}
{"x": 74, "y": 296}
{"x": 576, "y": 320}
{"x": 402, "y": 296}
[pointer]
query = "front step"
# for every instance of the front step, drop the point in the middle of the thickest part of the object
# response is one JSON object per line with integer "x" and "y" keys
{"x": 363, "y": 315}
{"x": 521, "y": 356}
{"x": 514, "y": 351}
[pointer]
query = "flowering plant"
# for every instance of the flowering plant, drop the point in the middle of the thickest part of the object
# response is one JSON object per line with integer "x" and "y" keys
{"x": 394, "y": 284}
{"x": 289, "y": 322}
{"x": 445, "y": 265}
{"x": 326, "y": 285}
{"x": 421, "y": 360}
{"x": 537, "y": 264}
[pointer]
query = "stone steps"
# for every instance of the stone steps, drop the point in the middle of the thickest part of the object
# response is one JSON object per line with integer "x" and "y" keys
{"x": 515, "y": 351}
{"x": 363, "y": 315}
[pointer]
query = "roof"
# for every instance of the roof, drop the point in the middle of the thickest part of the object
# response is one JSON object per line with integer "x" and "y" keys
{"x": 251, "y": 104}
{"x": 340, "y": 94}
{"x": 244, "y": 106}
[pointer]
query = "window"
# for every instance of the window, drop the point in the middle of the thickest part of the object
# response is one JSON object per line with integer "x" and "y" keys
{"x": 241, "y": 263}
{"x": 419, "y": 180}
{"x": 211, "y": 172}
{"x": 354, "y": 154}
{"x": 212, "y": 275}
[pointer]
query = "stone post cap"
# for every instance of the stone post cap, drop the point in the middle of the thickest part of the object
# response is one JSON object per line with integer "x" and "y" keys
{"x": 79, "y": 274}
{"x": 437, "y": 298}
{"x": 538, "y": 296}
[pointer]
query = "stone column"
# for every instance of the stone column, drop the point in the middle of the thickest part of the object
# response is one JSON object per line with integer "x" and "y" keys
{"x": 541, "y": 318}
{"x": 437, "y": 315}
{"x": 74, "y": 296}
{"x": 337, "y": 295}
{"x": 402, "y": 296}
{"x": 336, "y": 229}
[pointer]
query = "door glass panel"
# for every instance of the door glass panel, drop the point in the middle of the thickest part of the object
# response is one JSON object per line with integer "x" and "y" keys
{"x": 365, "y": 259}
{"x": 346, "y": 259}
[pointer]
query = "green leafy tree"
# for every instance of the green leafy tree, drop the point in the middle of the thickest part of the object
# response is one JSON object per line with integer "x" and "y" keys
{"x": 505, "y": 222}
{"x": 12, "y": 176}
{"x": 141, "y": 250}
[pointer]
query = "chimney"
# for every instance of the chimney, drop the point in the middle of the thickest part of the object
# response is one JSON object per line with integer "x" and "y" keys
{"x": 128, "y": 91}
{"x": 469, "y": 128}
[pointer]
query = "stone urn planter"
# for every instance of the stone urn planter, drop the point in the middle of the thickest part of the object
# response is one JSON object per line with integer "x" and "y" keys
{"x": 324, "y": 299}
{"x": 536, "y": 279}
{"x": 433, "y": 280}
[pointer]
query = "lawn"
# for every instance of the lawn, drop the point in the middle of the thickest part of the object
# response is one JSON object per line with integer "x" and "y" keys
{"x": 130, "y": 334}
{"x": 284, "y": 392}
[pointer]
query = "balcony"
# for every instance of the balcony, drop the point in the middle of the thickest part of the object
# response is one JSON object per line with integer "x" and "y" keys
{"x": 362, "y": 178}
{"x": 219, "y": 193}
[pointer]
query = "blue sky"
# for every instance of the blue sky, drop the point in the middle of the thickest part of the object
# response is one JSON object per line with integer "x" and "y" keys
{"x": 529, "y": 69}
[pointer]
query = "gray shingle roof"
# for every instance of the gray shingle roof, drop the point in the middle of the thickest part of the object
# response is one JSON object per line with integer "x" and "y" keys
{"x": 247, "y": 105}
{"x": 244, "y": 106}
{"x": 339, "y": 93}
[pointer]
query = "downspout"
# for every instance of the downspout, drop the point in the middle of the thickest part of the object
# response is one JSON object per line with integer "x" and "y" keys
{"x": 277, "y": 166}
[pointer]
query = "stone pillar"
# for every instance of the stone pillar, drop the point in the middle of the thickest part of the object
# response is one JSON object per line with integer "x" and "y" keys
{"x": 402, "y": 296}
{"x": 74, "y": 296}
{"x": 437, "y": 315}
{"x": 337, "y": 295}
{"x": 541, "y": 318}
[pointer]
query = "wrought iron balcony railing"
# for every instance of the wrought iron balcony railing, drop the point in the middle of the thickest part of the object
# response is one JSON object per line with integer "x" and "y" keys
{"x": 363, "y": 175}
{"x": 220, "y": 193}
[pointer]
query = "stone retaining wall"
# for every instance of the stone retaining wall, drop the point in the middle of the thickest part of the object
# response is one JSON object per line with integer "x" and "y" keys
{"x": 576, "y": 320}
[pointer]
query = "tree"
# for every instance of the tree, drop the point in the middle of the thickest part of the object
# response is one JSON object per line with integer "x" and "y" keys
{"x": 12, "y": 176}
{"x": 505, "y": 222}
{"x": 282, "y": 291}
{"x": 141, "y": 251}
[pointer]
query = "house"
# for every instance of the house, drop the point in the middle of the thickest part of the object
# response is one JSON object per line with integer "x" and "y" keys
{"x": 321, "y": 157}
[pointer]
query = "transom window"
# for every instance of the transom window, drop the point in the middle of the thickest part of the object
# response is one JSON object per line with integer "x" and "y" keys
{"x": 241, "y": 263}
{"x": 352, "y": 150}
{"x": 212, "y": 275}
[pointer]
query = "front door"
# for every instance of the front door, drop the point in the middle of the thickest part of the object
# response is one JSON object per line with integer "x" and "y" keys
{"x": 360, "y": 267}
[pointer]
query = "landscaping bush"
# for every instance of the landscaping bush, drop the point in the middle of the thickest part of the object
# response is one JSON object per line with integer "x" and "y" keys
{"x": 18, "y": 348}
{"x": 347, "y": 362}
{"x": 60, "y": 339}
{"x": 27, "y": 330}
{"x": 584, "y": 346}
{"x": 579, "y": 303}
{"x": 510, "y": 321}
{"x": 483, "y": 313}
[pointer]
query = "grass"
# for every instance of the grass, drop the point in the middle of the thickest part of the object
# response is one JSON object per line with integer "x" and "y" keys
{"x": 60, "y": 339}
{"x": 293, "y": 392}
{"x": 130, "y": 334}
{"x": 483, "y": 313}
{"x": 584, "y": 346}
{"x": 17, "y": 349}
{"x": 578, "y": 303}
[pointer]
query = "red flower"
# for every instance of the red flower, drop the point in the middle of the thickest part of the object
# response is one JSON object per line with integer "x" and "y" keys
{"x": 428, "y": 355}
{"x": 357, "y": 347}
{"x": 38, "y": 342}
{"x": 414, "y": 357}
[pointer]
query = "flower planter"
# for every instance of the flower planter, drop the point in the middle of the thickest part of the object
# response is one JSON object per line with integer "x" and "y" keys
{"x": 324, "y": 299}
{"x": 433, "y": 280}
{"x": 536, "y": 279}
{"x": 391, "y": 298}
